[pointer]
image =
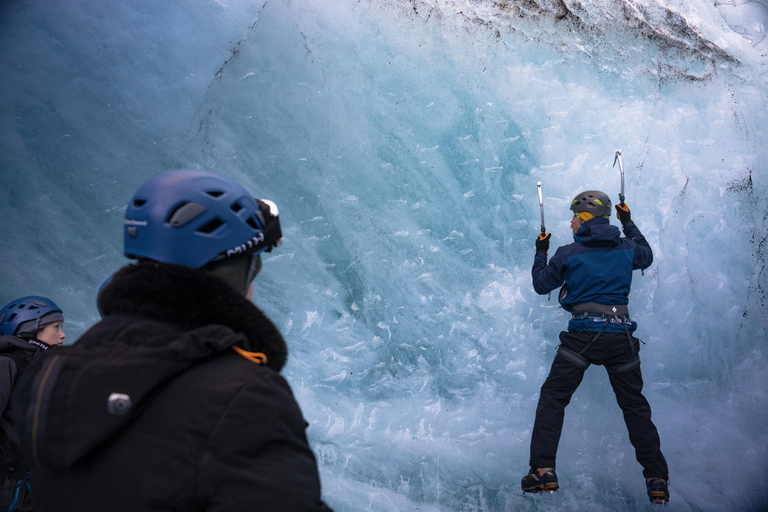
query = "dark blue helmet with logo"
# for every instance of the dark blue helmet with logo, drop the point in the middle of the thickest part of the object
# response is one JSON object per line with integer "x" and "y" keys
{"x": 27, "y": 315}
{"x": 194, "y": 217}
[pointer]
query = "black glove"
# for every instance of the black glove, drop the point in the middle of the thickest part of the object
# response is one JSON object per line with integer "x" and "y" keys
{"x": 622, "y": 213}
{"x": 542, "y": 242}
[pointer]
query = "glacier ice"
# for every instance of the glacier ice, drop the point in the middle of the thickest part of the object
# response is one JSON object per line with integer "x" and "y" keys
{"x": 403, "y": 141}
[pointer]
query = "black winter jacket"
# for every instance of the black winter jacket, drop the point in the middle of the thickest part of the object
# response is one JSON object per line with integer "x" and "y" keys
{"x": 153, "y": 410}
{"x": 15, "y": 355}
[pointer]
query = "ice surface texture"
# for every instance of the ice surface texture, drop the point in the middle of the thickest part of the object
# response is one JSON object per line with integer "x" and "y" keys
{"x": 402, "y": 141}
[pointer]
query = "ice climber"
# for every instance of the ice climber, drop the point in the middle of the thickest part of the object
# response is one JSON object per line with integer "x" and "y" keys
{"x": 595, "y": 272}
{"x": 174, "y": 400}
{"x": 28, "y": 326}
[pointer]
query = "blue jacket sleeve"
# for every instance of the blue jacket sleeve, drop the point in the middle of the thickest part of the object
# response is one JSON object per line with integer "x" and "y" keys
{"x": 643, "y": 251}
{"x": 547, "y": 277}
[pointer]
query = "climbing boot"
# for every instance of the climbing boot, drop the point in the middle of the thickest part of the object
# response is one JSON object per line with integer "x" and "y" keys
{"x": 658, "y": 490}
{"x": 540, "y": 481}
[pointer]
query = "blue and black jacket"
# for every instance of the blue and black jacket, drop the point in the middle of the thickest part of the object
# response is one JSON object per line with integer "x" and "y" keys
{"x": 597, "y": 268}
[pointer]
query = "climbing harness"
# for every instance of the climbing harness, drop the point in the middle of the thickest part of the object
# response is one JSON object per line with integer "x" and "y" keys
{"x": 619, "y": 314}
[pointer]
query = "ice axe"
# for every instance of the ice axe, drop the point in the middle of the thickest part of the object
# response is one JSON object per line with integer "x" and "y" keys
{"x": 541, "y": 207}
{"x": 621, "y": 168}
{"x": 543, "y": 229}
{"x": 621, "y": 194}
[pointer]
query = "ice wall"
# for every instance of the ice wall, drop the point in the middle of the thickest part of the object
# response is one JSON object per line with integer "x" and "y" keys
{"x": 403, "y": 142}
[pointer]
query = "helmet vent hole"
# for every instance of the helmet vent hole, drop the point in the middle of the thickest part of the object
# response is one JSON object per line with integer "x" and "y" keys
{"x": 236, "y": 207}
{"x": 252, "y": 222}
{"x": 185, "y": 213}
{"x": 211, "y": 226}
{"x": 215, "y": 193}
{"x": 138, "y": 203}
{"x": 10, "y": 318}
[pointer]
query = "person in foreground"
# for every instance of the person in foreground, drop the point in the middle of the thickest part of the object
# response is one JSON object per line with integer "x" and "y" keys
{"x": 174, "y": 400}
{"x": 595, "y": 273}
{"x": 28, "y": 326}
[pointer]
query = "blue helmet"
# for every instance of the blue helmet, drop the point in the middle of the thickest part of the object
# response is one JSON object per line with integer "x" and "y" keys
{"x": 25, "y": 315}
{"x": 193, "y": 217}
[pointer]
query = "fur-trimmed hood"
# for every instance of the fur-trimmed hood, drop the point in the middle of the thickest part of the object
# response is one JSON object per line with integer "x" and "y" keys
{"x": 193, "y": 298}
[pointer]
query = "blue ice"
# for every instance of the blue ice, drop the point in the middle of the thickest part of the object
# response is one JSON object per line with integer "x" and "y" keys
{"x": 403, "y": 141}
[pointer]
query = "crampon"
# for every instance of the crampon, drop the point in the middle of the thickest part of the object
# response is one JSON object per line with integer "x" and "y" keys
{"x": 658, "y": 490}
{"x": 535, "y": 483}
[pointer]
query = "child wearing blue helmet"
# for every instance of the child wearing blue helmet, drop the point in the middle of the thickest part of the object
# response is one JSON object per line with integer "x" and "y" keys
{"x": 28, "y": 325}
{"x": 34, "y": 319}
{"x": 174, "y": 400}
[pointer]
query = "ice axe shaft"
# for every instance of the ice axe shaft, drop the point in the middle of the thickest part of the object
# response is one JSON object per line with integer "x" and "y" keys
{"x": 541, "y": 207}
{"x": 621, "y": 168}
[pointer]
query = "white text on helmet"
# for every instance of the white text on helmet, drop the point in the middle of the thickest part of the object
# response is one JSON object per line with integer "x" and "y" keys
{"x": 250, "y": 244}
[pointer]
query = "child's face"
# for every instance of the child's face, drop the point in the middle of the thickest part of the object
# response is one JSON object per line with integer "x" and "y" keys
{"x": 52, "y": 334}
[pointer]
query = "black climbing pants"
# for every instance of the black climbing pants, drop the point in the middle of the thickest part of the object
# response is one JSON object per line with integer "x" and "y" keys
{"x": 613, "y": 350}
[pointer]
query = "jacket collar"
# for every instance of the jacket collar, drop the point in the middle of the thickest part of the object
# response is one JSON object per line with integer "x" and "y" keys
{"x": 11, "y": 341}
{"x": 192, "y": 298}
{"x": 598, "y": 231}
{"x": 39, "y": 344}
